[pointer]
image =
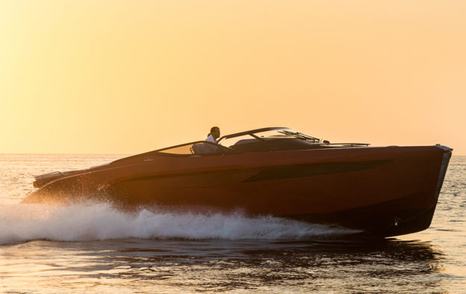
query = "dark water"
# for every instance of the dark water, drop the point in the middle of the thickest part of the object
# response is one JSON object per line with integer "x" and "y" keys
{"x": 94, "y": 248}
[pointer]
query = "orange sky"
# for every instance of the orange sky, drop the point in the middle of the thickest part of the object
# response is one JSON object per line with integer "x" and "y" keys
{"x": 114, "y": 76}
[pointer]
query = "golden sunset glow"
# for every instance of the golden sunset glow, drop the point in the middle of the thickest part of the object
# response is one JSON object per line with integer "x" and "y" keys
{"x": 101, "y": 76}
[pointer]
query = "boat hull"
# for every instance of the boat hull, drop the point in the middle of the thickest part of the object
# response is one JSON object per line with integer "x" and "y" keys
{"x": 382, "y": 191}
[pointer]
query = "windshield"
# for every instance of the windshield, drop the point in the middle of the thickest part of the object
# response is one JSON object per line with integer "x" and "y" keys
{"x": 285, "y": 133}
{"x": 264, "y": 134}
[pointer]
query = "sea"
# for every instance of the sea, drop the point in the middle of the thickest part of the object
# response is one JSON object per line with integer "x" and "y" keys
{"x": 95, "y": 248}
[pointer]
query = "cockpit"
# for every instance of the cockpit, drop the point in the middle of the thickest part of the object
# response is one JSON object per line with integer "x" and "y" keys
{"x": 264, "y": 139}
{"x": 258, "y": 140}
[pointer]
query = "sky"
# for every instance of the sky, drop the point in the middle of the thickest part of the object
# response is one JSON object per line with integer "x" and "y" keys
{"x": 114, "y": 76}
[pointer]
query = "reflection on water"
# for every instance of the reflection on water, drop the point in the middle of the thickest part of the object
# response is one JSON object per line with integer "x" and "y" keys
{"x": 216, "y": 265}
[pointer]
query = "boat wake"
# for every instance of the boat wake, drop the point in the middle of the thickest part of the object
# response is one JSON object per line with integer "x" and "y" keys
{"x": 100, "y": 221}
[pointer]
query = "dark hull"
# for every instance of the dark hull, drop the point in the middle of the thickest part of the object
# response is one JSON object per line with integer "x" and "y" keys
{"x": 392, "y": 218}
{"x": 382, "y": 191}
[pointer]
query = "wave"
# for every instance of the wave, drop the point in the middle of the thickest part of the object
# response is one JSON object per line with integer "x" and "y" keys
{"x": 101, "y": 221}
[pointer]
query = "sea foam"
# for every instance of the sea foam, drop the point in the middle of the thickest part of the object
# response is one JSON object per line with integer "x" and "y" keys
{"x": 100, "y": 221}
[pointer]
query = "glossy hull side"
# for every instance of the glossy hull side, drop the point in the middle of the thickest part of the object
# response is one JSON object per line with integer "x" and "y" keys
{"x": 383, "y": 191}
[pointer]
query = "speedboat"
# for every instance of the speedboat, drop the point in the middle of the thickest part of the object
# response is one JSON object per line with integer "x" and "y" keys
{"x": 275, "y": 171}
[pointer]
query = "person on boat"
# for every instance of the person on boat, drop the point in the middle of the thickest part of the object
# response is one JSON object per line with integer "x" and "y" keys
{"x": 207, "y": 148}
{"x": 213, "y": 135}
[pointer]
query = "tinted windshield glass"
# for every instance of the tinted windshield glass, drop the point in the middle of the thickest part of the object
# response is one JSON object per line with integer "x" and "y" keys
{"x": 269, "y": 134}
{"x": 276, "y": 134}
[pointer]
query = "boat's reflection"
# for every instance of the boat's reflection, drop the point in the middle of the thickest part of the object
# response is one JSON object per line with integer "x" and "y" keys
{"x": 223, "y": 265}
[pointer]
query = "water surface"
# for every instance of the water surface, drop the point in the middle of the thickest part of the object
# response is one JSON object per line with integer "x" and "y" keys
{"x": 97, "y": 249}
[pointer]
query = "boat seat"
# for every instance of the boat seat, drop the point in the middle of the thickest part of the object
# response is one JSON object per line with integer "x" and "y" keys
{"x": 205, "y": 149}
{"x": 245, "y": 141}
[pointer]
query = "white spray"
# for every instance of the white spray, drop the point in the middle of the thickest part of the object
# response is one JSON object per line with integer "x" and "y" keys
{"x": 100, "y": 221}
